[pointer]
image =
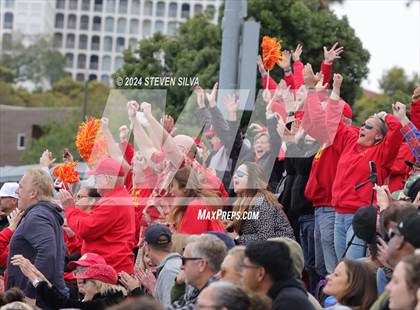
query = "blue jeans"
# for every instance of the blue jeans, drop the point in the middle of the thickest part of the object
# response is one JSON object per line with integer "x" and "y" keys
{"x": 343, "y": 232}
{"x": 325, "y": 257}
{"x": 307, "y": 225}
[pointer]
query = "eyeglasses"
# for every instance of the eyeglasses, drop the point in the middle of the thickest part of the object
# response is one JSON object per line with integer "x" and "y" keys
{"x": 240, "y": 173}
{"x": 367, "y": 126}
{"x": 185, "y": 259}
{"x": 81, "y": 196}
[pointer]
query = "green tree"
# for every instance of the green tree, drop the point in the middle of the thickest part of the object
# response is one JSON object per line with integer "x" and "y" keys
{"x": 56, "y": 137}
{"x": 197, "y": 53}
{"x": 7, "y": 75}
{"x": 396, "y": 80}
{"x": 36, "y": 62}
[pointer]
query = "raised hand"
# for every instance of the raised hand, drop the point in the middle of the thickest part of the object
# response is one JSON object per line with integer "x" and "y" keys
{"x": 66, "y": 198}
{"x": 297, "y": 52}
{"x": 14, "y": 218}
{"x": 46, "y": 159}
{"x": 320, "y": 86}
{"x": 399, "y": 111}
{"x": 147, "y": 279}
{"x": 132, "y": 108}
{"x": 256, "y": 127}
{"x": 260, "y": 64}
{"x": 285, "y": 63}
{"x": 212, "y": 96}
{"x": 146, "y": 108}
{"x": 309, "y": 77}
{"x": 201, "y": 100}
{"x": 129, "y": 282}
{"x": 231, "y": 104}
{"x": 333, "y": 53}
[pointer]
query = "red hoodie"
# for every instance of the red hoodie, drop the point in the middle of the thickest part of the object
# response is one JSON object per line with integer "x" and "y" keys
{"x": 353, "y": 165}
{"x": 5, "y": 236}
{"x": 108, "y": 230}
{"x": 415, "y": 113}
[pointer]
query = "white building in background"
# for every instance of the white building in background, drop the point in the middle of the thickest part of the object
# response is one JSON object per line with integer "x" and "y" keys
{"x": 92, "y": 34}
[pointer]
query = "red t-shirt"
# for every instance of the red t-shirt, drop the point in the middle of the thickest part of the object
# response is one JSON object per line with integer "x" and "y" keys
{"x": 192, "y": 224}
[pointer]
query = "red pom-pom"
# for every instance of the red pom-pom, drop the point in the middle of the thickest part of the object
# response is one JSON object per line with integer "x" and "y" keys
{"x": 67, "y": 172}
{"x": 90, "y": 141}
{"x": 270, "y": 52}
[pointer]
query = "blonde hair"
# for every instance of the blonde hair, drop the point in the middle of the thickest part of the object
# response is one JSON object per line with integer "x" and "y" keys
{"x": 42, "y": 183}
{"x": 106, "y": 288}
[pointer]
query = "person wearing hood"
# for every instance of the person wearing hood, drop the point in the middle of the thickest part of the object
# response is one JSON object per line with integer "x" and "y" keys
{"x": 39, "y": 236}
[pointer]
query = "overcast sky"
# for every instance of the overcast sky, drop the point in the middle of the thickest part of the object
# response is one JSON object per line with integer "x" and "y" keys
{"x": 389, "y": 30}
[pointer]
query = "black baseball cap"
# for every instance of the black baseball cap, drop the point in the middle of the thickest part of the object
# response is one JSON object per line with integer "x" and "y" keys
{"x": 158, "y": 234}
{"x": 409, "y": 228}
{"x": 364, "y": 226}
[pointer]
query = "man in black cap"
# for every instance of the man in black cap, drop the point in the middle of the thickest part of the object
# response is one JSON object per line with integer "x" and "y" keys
{"x": 158, "y": 247}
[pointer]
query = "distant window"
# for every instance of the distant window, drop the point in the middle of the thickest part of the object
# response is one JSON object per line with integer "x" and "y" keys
{"x": 70, "y": 41}
{"x": 7, "y": 41}
{"x": 172, "y": 28}
{"x": 120, "y": 45}
{"x": 198, "y": 8}
{"x": 211, "y": 10}
{"x": 8, "y": 21}
{"x": 105, "y": 79}
{"x": 95, "y": 43}
{"x": 98, "y": 6}
{"x": 69, "y": 60}
{"x": 60, "y": 4}
{"x": 160, "y": 9}
{"x": 159, "y": 25}
{"x": 58, "y": 40}
{"x": 36, "y": 132}
{"x": 73, "y": 5}
{"x": 133, "y": 42}
{"x": 81, "y": 61}
{"x": 96, "y": 23}
{"x": 59, "y": 20}
{"x": 80, "y": 77}
{"x": 110, "y": 6}
{"x": 135, "y": 7}
{"x": 147, "y": 28}
{"x": 148, "y": 8}
{"x": 92, "y": 77}
{"x": 21, "y": 141}
{"x": 109, "y": 24}
{"x": 71, "y": 21}
{"x": 134, "y": 26}
{"x": 185, "y": 10}
{"x": 83, "y": 42}
{"x": 9, "y": 4}
{"x": 173, "y": 9}
{"x": 84, "y": 22}
{"x": 93, "y": 63}
{"x": 119, "y": 61}
{"x": 122, "y": 9}
{"x": 108, "y": 44}
{"x": 121, "y": 25}
{"x": 86, "y": 5}
{"x": 106, "y": 63}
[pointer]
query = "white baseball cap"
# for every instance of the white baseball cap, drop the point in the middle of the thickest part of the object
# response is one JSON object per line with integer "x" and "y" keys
{"x": 9, "y": 190}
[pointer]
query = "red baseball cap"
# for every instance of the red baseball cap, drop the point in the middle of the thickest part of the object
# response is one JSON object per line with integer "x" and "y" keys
{"x": 108, "y": 166}
{"x": 101, "y": 272}
{"x": 88, "y": 259}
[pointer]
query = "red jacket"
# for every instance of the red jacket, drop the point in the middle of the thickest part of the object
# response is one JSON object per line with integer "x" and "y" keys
{"x": 5, "y": 236}
{"x": 399, "y": 170}
{"x": 108, "y": 230}
{"x": 191, "y": 224}
{"x": 74, "y": 245}
{"x": 353, "y": 165}
{"x": 415, "y": 113}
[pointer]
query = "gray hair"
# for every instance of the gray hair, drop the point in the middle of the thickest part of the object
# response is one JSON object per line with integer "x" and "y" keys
{"x": 210, "y": 248}
{"x": 238, "y": 252}
{"x": 383, "y": 128}
{"x": 230, "y": 296}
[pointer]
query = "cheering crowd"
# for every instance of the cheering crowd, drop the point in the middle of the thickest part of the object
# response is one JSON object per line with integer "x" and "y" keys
{"x": 304, "y": 211}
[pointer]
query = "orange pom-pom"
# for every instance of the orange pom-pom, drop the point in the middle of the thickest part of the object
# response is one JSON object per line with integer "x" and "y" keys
{"x": 90, "y": 141}
{"x": 67, "y": 172}
{"x": 270, "y": 52}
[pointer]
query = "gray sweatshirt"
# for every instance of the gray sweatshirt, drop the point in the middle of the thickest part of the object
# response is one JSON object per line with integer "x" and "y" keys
{"x": 167, "y": 272}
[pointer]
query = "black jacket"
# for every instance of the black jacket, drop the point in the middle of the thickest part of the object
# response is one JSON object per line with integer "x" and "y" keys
{"x": 54, "y": 299}
{"x": 39, "y": 238}
{"x": 289, "y": 294}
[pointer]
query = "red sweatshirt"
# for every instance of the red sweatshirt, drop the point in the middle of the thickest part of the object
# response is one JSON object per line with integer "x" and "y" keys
{"x": 5, "y": 236}
{"x": 399, "y": 170}
{"x": 415, "y": 113}
{"x": 108, "y": 230}
{"x": 191, "y": 224}
{"x": 353, "y": 165}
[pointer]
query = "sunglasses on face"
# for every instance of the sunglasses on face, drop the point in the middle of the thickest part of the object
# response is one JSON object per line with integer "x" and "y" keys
{"x": 186, "y": 259}
{"x": 240, "y": 173}
{"x": 392, "y": 233}
{"x": 367, "y": 126}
